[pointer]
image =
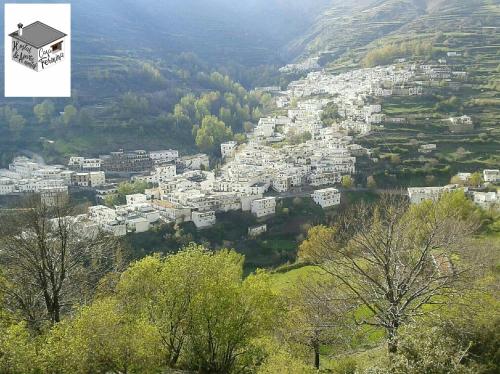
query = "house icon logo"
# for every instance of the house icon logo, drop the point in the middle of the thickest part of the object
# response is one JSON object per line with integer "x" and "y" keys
{"x": 37, "y": 46}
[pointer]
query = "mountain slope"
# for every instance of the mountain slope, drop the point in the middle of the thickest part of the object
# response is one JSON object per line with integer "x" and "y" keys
{"x": 347, "y": 26}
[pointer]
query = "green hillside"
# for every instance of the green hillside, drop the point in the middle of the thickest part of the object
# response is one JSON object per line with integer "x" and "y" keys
{"x": 423, "y": 32}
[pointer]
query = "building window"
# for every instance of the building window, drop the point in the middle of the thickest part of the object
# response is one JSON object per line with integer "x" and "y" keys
{"x": 57, "y": 47}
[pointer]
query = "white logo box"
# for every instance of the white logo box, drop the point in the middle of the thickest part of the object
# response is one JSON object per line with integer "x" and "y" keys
{"x": 37, "y": 50}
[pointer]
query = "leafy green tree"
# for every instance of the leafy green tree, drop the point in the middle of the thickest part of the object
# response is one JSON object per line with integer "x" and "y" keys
{"x": 44, "y": 111}
{"x": 475, "y": 180}
{"x": 240, "y": 138}
{"x": 211, "y": 134}
{"x": 124, "y": 189}
{"x": 347, "y": 181}
{"x": 70, "y": 114}
{"x": 18, "y": 351}
{"x": 102, "y": 339}
{"x": 162, "y": 291}
{"x": 228, "y": 315}
{"x": 16, "y": 123}
{"x": 132, "y": 105}
{"x": 206, "y": 315}
{"x": 281, "y": 361}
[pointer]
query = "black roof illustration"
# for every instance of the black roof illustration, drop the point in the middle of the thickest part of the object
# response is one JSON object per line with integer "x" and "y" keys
{"x": 38, "y": 34}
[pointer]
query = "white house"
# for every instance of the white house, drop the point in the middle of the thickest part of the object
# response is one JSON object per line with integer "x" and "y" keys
{"x": 464, "y": 176}
{"x": 137, "y": 224}
{"x": 257, "y": 230}
{"x": 88, "y": 179}
{"x": 203, "y": 219}
{"x": 281, "y": 183}
{"x": 491, "y": 175}
{"x": 148, "y": 212}
{"x": 53, "y": 196}
{"x": 37, "y": 46}
{"x": 85, "y": 164}
{"x": 227, "y": 149}
{"x": 461, "y": 124}
{"x": 327, "y": 197}
{"x": 264, "y": 207}
{"x": 116, "y": 228}
{"x": 137, "y": 198}
{"x": 419, "y": 194}
{"x": 162, "y": 156}
{"x": 486, "y": 199}
{"x": 7, "y": 186}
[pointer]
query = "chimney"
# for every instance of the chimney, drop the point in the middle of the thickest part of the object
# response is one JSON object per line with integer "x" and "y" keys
{"x": 20, "y": 29}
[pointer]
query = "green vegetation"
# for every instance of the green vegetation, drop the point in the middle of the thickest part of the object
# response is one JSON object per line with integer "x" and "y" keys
{"x": 137, "y": 117}
{"x": 211, "y": 134}
{"x": 388, "y": 53}
{"x": 124, "y": 189}
{"x": 196, "y": 311}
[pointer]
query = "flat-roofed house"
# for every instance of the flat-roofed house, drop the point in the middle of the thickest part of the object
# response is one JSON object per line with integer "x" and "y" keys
{"x": 491, "y": 175}
{"x": 203, "y": 219}
{"x": 327, "y": 197}
{"x": 264, "y": 207}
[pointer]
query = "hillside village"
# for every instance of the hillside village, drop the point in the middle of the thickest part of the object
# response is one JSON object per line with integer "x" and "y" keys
{"x": 289, "y": 154}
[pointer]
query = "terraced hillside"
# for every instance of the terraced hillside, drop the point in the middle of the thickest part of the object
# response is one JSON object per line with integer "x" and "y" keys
{"x": 461, "y": 36}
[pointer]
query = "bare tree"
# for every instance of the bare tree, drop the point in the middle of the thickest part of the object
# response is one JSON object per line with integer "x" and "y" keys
{"x": 49, "y": 260}
{"x": 394, "y": 258}
{"x": 318, "y": 315}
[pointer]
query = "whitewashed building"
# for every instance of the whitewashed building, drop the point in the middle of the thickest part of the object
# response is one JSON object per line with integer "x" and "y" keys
{"x": 203, "y": 219}
{"x": 486, "y": 199}
{"x": 264, "y": 207}
{"x": 137, "y": 198}
{"x": 419, "y": 194}
{"x": 227, "y": 149}
{"x": 254, "y": 231}
{"x": 327, "y": 197}
{"x": 491, "y": 175}
{"x": 164, "y": 156}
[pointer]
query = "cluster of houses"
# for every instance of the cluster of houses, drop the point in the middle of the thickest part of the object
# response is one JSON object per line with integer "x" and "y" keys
{"x": 350, "y": 92}
{"x": 485, "y": 199}
{"x": 272, "y": 164}
{"x": 51, "y": 182}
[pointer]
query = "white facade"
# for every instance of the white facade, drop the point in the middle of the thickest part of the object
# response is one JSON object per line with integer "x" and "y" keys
{"x": 137, "y": 224}
{"x": 419, "y": 194}
{"x": 85, "y": 164}
{"x": 263, "y": 207}
{"x": 162, "y": 156}
{"x": 203, "y": 219}
{"x": 491, "y": 175}
{"x": 116, "y": 228}
{"x": 486, "y": 199}
{"x": 7, "y": 186}
{"x": 327, "y": 197}
{"x": 53, "y": 196}
{"x": 255, "y": 231}
{"x": 88, "y": 179}
{"x": 137, "y": 198}
{"x": 227, "y": 149}
{"x": 427, "y": 148}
